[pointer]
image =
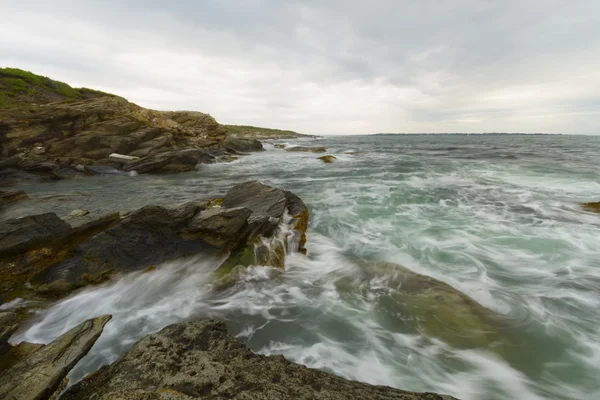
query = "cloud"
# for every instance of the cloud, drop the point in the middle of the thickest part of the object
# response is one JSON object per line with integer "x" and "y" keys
{"x": 337, "y": 67}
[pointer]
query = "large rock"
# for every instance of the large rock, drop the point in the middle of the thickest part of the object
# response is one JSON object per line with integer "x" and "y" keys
{"x": 306, "y": 149}
{"x": 327, "y": 159}
{"x": 8, "y": 325}
{"x": 173, "y": 161}
{"x": 11, "y": 196}
{"x": 241, "y": 145}
{"x": 31, "y": 244}
{"x": 39, "y": 375}
{"x": 200, "y": 360}
{"x": 87, "y": 131}
{"x": 268, "y": 206}
{"x": 218, "y": 226}
{"x": 592, "y": 207}
{"x": 23, "y": 234}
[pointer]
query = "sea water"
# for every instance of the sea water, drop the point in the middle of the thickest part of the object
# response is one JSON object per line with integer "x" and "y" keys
{"x": 496, "y": 217}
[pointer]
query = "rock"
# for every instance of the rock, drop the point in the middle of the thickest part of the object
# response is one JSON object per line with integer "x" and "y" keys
{"x": 8, "y": 325}
{"x": 306, "y": 149}
{"x": 101, "y": 170}
{"x": 226, "y": 159}
{"x": 174, "y": 161}
{"x": 199, "y": 359}
{"x": 149, "y": 236}
{"x": 32, "y": 244}
{"x": 220, "y": 227}
{"x": 279, "y": 146}
{"x": 69, "y": 173}
{"x": 592, "y": 207}
{"x": 120, "y": 158}
{"x": 23, "y": 234}
{"x": 268, "y": 206}
{"x": 241, "y": 145}
{"x": 11, "y": 196}
{"x": 77, "y": 214}
{"x": 40, "y": 374}
{"x": 35, "y": 167}
{"x": 17, "y": 353}
{"x": 436, "y": 308}
{"x": 327, "y": 159}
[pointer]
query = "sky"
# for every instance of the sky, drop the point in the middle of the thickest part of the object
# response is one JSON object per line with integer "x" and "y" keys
{"x": 327, "y": 66}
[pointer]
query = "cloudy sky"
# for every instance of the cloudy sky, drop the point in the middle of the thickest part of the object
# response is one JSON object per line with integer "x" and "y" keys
{"x": 327, "y": 66}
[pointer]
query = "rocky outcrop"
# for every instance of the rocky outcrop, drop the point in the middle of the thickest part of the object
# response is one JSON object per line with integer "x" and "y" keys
{"x": 306, "y": 149}
{"x": 11, "y": 196}
{"x": 29, "y": 245}
{"x": 327, "y": 159}
{"x": 55, "y": 256}
{"x": 171, "y": 161}
{"x": 8, "y": 325}
{"x": 592, "y": 207}
{"x": 241, "y": 145}
{"x": 194, "y": 360}
{"x": 40, "y": 373}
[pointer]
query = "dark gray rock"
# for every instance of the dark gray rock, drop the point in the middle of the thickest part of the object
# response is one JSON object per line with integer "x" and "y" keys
{"x": 200, "y": 360}
{"x": 101, "y": 170}
{"x": 68, "y": 173}
{"x": 221, "y": 227}
{"x": 306, "y": 149}
{"x": 261, "y": 199}
{"x": 22, "y": 234}
{"x": 171, "y": 161}
{"x": 8, "y": 325}
{"x": 39, "y": 375}
{"x": 241, "y": 145}
{"x": 148, "y": 237}
{"x": 11, "y": 196}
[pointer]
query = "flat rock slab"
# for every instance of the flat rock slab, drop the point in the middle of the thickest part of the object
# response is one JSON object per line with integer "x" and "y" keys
{"x": 40, "y": 374}
{"x": 199, "y": 359}
{"x": 21, "y": 234}
{"x": 8, "y": 325}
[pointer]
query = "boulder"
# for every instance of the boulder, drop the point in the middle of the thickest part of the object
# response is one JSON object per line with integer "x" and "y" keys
{"x": 23, "y": 234}
{"x": 17, "y": 353}
{"x": 147, "y": 237}
{"x": 241, "y": 145}
{"x": 327, "y": 159}
{"x": 592, "y": 207}
{"x": 279, "y": 146}
{"x": 173, "y": 161}
{"x": 269, "y": 206}
{"x": 200, "y": 360}
{"x": 41, "y": 373}
{"x": 8, "y": 325}
{"x": 31, "y": 244}
{"x": 218, "y": 226}
{"x": 69, "y": 173}
{"x": 101, "y": 170}
{"x": 306, "y": 149}
{"x": 11, "y": 196}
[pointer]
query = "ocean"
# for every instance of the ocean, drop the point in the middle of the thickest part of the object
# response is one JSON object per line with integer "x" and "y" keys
{"x": 496, "y": 217}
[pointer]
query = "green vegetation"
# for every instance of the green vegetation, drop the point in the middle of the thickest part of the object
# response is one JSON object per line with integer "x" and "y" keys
{"x": 18, "y": 86}
{"x": 257, "y": 131}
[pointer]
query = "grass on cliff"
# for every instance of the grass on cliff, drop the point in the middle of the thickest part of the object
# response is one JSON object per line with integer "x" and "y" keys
{"x": 18, "y": 86}
{"x": 254, "y": 130}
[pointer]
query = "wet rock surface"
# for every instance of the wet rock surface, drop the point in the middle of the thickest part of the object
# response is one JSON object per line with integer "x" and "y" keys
{"x": 327, "y": 159}
{"x": 199, "y": 359}
{"x": 306, "y": 149}
{"x": 42, "y": 370}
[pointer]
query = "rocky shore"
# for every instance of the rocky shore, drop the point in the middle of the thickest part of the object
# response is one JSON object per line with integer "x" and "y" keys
{"x": 50, "y": 131}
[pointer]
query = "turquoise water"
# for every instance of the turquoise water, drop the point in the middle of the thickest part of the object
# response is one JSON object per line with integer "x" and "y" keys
{"x": 496, "y": 217}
